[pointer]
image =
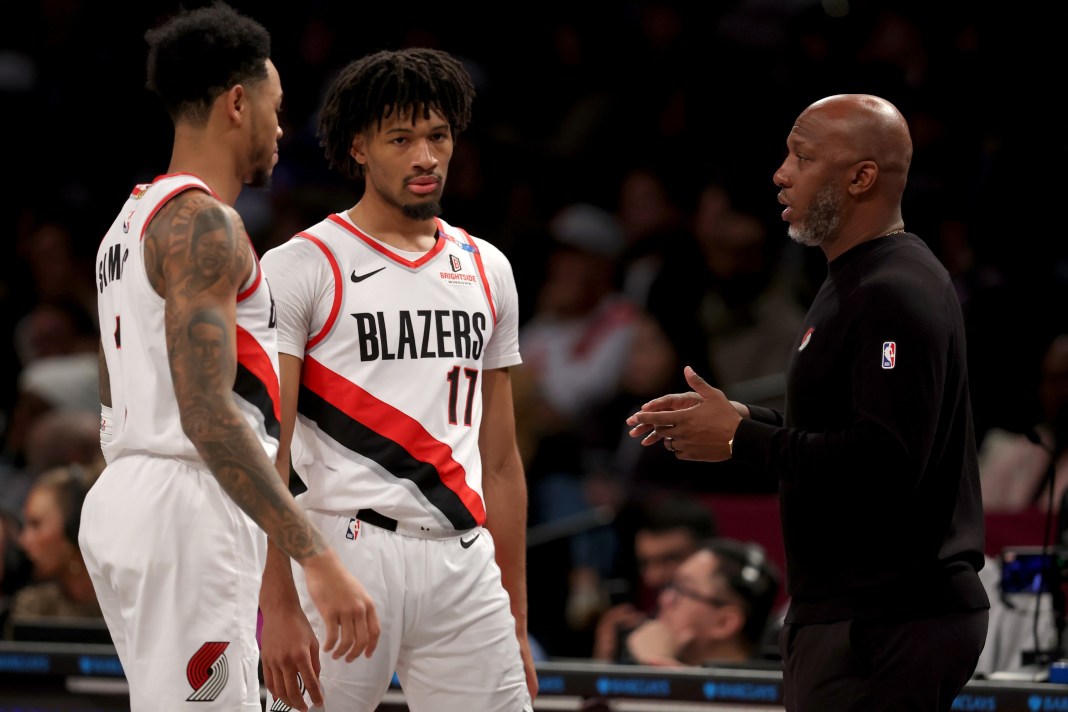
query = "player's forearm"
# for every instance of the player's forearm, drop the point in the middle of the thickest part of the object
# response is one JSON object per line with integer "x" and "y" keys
{"x": 277, "y": 589}
{"x": 237, "y": 459}
{"x": 506, "y": 518}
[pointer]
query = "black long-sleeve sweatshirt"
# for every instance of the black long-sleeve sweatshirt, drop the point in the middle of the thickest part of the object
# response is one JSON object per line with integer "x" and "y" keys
{"x": 875, "y": 454}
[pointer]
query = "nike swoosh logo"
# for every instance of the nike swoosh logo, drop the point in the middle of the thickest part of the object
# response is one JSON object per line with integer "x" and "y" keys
{"x": 360, "y": 277}
{"x": 467, "y": 544}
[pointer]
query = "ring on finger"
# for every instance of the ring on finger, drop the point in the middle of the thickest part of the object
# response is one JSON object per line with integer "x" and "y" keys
{"x": 669, "y": 443}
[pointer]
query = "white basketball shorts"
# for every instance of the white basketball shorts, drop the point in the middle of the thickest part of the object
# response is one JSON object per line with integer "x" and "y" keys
{"x": 447, "y": 626}
{"x": 176, "y": 566}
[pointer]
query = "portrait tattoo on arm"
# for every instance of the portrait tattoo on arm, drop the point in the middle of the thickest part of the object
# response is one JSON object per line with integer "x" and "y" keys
{"x": 207, "y": 257}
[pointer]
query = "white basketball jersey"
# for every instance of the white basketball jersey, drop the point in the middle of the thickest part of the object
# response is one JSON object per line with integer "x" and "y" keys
{"x": 394, "y": 347}
{"x": 132, "y": 333}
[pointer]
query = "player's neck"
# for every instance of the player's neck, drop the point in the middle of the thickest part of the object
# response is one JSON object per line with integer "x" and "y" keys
{"x": 391, "y": 226}
{"x": 192, "y": 154}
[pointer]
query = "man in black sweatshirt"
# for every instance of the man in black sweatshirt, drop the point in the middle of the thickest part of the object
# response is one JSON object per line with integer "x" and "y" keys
{"x": 876, "y": 458}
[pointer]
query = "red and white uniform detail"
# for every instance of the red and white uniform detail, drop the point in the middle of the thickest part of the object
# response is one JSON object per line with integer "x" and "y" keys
{"x": 394, "y": 346}
{"x": 145, "y": 418}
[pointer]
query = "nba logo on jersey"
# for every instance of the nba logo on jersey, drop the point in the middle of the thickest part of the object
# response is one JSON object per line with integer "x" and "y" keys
{"x": 455, "y": 262}
{"x": 889, "y": 354}
{"x": 353, "y": 530}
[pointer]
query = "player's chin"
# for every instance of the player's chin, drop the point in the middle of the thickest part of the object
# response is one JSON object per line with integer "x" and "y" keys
{"x": 261, "y": 178}
{"x": 423, "y": 210}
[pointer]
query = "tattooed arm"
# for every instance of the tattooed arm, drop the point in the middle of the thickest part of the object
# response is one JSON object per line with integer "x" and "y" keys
{"x": 197, "y": 256}
{"x": 288, "y": 646}
{"x": 200, "y": 322}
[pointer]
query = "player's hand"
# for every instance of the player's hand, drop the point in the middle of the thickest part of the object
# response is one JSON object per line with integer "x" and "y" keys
{"x": 345, "y": 606}
{"x": 289, "y": 651}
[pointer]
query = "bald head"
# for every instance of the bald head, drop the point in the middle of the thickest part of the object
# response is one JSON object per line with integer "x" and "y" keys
{"x": 864, "y": 127}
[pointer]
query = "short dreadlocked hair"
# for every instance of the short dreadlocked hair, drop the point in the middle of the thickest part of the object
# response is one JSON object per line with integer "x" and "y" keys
{"x": 197, "y": 55}
{"x": 370, "y": 89}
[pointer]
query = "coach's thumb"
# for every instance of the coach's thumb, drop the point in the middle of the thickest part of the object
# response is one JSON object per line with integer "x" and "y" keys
{"x": 697, "y": 383}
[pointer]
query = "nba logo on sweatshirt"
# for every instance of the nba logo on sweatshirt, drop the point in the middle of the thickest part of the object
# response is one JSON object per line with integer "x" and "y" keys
{"x": 889, "y": 354}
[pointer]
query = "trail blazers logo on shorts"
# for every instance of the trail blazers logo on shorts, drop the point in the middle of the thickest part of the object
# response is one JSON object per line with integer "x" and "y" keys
{"x": 207, "y": 672}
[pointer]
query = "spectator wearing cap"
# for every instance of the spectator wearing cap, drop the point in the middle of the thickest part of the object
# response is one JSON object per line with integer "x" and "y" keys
{"x": 576, "y": 342}
{"x": 574, "y": 348}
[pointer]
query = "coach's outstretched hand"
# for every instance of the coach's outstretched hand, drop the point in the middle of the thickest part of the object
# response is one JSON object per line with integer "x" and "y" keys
{"x": 695, "y": 426}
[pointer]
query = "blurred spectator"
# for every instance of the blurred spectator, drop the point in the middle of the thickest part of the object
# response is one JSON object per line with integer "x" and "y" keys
{"x": 57, "y": 250}
{"x": 750, "y": 313}
{"x": 55, "y": 439}
{"x": 56, "y": 345}
{"x": 54, "y": 328}
{"x": 656, "y": 229}
{"x": 575, "y": 343}
{"x": 715, "y": 610}
{"x": 665, "y": 532}
{"x": 574, "y": 348}
{"x": 16, "y": 569}
{"x": 58, "y": 397}
{"x": 49, "y": 537}
{"x": 1015, "y": 467}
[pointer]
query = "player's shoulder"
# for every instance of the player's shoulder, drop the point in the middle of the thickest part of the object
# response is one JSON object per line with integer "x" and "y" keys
{"x": 183, "y": 189}
{"x": 299, "y": 247}
{"x": 183, "y": 211}
{"x": 485, "y": 248}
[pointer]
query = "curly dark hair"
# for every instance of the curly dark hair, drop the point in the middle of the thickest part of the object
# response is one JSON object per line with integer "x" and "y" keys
{"x": 370, "y": 89}
{"x": 197, "y": 55}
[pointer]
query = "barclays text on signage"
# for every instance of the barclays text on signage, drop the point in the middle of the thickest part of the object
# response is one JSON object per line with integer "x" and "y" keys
{"x": 634, "y": 687}
{"x": 21, "y": 662}
{"x": 975, "y": 703}
{"x": 741, "y": 691}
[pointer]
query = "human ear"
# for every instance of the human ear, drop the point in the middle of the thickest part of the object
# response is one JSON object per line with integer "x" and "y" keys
{"x": 863, "y": 177}
{"x": 235, "y": 102}
{"x": 730, "y": 622}
{"x": 356, "y": 150}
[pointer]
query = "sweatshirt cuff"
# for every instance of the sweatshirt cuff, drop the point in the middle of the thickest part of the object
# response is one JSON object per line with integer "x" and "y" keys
{"x": 752, "y": 442}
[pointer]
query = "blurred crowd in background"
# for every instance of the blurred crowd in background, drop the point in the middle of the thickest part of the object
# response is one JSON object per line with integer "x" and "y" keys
{"x": 621, "y": 156}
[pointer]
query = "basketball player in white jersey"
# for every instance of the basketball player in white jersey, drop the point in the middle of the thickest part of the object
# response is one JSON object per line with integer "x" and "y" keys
{"x": 396, "y": 334}
{"x": 173, "y": 530}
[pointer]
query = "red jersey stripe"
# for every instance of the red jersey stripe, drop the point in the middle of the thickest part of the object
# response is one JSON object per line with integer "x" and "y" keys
{"x": 401, "y": 428}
